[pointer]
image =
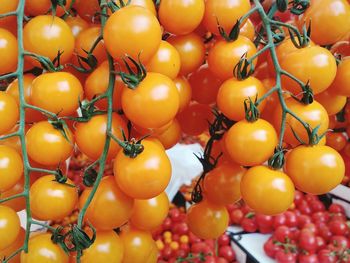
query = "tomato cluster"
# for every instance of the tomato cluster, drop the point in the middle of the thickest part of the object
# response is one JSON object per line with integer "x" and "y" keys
{"x": 309, "y": 232}
{"x": 122, "y": 81}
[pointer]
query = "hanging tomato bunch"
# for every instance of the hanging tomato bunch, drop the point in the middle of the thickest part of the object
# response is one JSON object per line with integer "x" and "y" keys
{"x": 122, "y": 81}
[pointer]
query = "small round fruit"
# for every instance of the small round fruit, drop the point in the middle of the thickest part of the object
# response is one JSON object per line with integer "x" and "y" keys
{"x": 8, "y": 52}
{"x": 207, "y": 220}
{"x": 267, "y": 191}
{"x": 9, "y": 227}
{"x": 9, "y": 112}
{"x": 11, "y": 167}
{"x": 51, "y": 200}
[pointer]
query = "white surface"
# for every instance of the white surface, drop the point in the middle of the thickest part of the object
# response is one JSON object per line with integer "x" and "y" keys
{"x": 254, "y": 244}
{"x": 234, "y": 229}
{"x": 185, "y": 166}
{"x": 23, "y": 218}
{"x": 342, "y": 191}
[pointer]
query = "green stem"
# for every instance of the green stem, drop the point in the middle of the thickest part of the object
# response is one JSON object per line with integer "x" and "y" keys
{"x": 47, "y": 113}
{"x": 103, "y": 158}
{"x": 10, "y": 75}
{"x": 13, "y": 13}
{"x": 9, "y": 136}
{"x": 52, "y": 229}
{"x": 11, "y": 197}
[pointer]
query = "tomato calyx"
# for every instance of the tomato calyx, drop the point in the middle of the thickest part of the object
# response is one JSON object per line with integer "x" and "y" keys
{"x": 75, "y": 239}
{"x": 300, "y": 40}
{"x": 299, "y": 6}
{"x": 131, "y": 148}
{"x": 244, "y": 68}
{"x": 60, "y": 125}
{"x": 133, "y": 78}
{"x": 113, "y": 6}
{"x": 46, "y": 63}
{"x": 282, "y": 5}
{"x": 277, "y": 160}
{"x": 60, "y": 3}
{"x": 90, "y": 176}
{"x": 61, "y": 178}
{"x": 251, "y": 109}
{"x": 313, "y": 136}
{"x": 233, "y": 34}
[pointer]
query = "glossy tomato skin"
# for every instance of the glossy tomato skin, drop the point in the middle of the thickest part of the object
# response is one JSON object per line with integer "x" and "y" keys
{"x": 108, "y": 195}
{"x": 46, "y": 35}
{"x": 222, "y": 184}
{"x": 312, "y": 64}
{"x": 97, "y": 83}
{"x": 225, "y": 12}
{"x": 42, "y": 250}
{"x": 47, "y": 145}
{"x": 41, "y": 7}
{"x": 146, "y": 175}
{"x": 224, "y": 56}
{"x": 76, "y": 24}
{"x": 330, "y": 20}
{"x": 315, "y": 169}
{"x": 207, "y": 220}
{"x": 139, "y": 247}
{"x": 137, "y": 32}
{"x": 13, "y": 248}
{"x": 171, "y": 136}
{"x": 205, "y": 85}
{"x": 50, "y": 200}
{"x": 149, "y": 214}
{"x": 108, "y": 247}
{"x": 267, "y": 191}
{"x": 191, "y": 49}
{"x": 314, "y": 114}
{"x": 340, "y": 83}
{"x": 181, "y": 17}
{"x": 8, "y": 52}
{"x": 47, "y": 93}
{"x": 8, "y": 22}
{"x": 16, "y": 204}
{"x": 9, "y": 112}
{"x": 185, "y": 92}
{"x": 233, "y": 93}
{"x": 95, "y": 131}
{"x": 251, "y": 143}
{"x": 9, "y": 228}
{"x": 153, "y": 103}
{"x": 194, "y": 119}
{"x": 165, "y": 61}
{"x": 11, "y": 168}
{"x": 331, "y": 101}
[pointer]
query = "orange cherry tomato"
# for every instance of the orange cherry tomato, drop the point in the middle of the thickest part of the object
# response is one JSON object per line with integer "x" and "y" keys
{"x": 314, "y": 114}
{"x": 267, "y": 191}
{"x": 139, "y": 247}
{"x": 233, "y": 93}
{"x": 9, "y": 112}
{"x": 46, "y": 36}
{"x": 181, "y": 17}
{"x": 207, "y": 220}
{"x": 87, "y": 9}
{"x": 76, "y": 24}
{"x": 248, "y": 30}
{"x": 137, "y": 32}
{"x": 95, "y": 131}
{"x": 224, "y": 56}
{"x": 341, "y": 81}
{"x": 171, "y": 135}
{"x": 154, "y": 166}
{"x": 42, "y": 250}
{"x": 150, "y": 213}
{"x": 47, "y": 145}
{"x": 57, "y": 92}
{"x": 97, "y": 84}
{"x": 153, "y": 103}
{"x": 336, "y": 140}
{"x": 315, "y": 169}
{"x": 251, "y": 143}
{"x": 272, "y": 101}
{"x": 205, "y": 85}
{"x": 51, "y": 200}
{"x": 5, "y": 253}
{"x": 330, "y": 20}
{"x": 225, "y": 12}
{"x": 185, "y": 91}
{"x": 331, "y": 101}
{"x": 108, "y": 195}
{"x": 166, "y": 61}
{"x": 222, "y": 184}
{"x": 84, "y": 42}
{"x": 11, "y": 168}
{"x": 108, "y": 247}
{"x": 8, "y": 22}
{"x": 194, "y": 119}
{"x": 8, "y": 52}
{"x": 312, "y": 64}
{"x": 191, "y": 50}
{"x": 9, "y": 227}
{"x": 42, "y": 7}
